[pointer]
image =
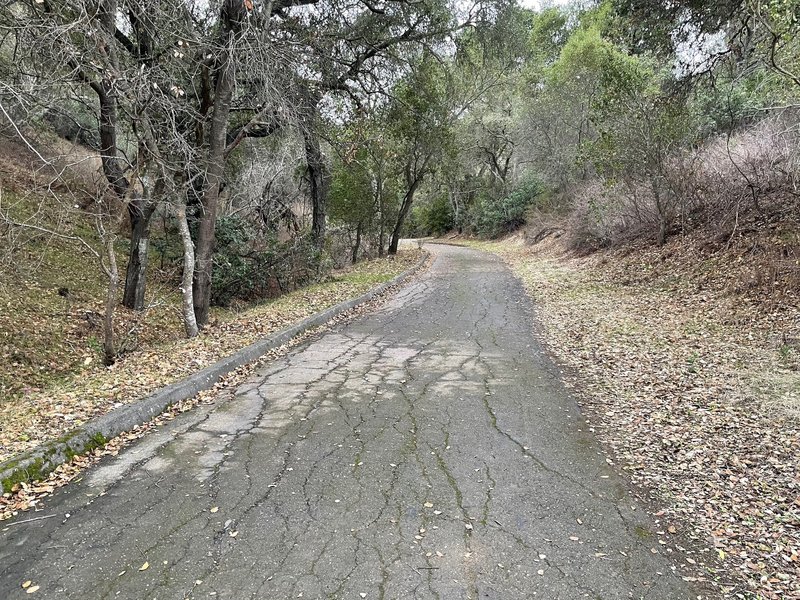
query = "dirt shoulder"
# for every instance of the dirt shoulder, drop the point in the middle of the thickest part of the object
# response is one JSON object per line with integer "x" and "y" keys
{"x": 694, "y": 388}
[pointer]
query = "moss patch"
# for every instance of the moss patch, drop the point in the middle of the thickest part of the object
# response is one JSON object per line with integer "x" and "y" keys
{"x": 44, "y": 465}
{"x": 27, "y": 474}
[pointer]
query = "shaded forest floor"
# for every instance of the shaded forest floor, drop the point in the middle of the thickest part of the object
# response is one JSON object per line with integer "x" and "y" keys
{"x": 686, "y": 362}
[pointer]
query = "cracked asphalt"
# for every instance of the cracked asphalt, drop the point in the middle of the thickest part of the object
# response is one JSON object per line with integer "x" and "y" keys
{"x": 426, "y": 450}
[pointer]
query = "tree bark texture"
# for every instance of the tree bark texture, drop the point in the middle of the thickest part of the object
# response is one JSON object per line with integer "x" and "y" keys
{"x": 405, "y": 208}
{"x": 319, "y": 181}
{"x": 109, "y": 352}
{"x": 382, "y": 222}
{"x": 215, "y": 166}
{"x": 357, "y": 245}
{"x": 108, "y": 120}
{"x": 140, "y": 212}
{"x": 187, "y": 300}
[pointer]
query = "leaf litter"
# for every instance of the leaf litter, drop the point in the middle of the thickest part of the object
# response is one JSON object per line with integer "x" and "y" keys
{"x": 689, "y": 375}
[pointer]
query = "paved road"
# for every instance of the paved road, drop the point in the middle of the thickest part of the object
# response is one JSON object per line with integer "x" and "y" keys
{"x": 425, "y": 451}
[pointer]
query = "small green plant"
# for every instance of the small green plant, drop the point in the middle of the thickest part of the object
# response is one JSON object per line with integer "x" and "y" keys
{"x": 787, "y": 356}
{"x": 94, "y": 345}
{"x": 691, "y": 363}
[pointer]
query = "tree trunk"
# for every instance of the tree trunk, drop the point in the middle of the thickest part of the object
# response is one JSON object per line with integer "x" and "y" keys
{"x": 187, "y": 300}
{"x": 109, "y": 154}
{"x": 662, "y": 232}
{"x": 109, "y": 353}
{"x": 452, "y": 194}
{"x": 357, "y": 244}
{"x": 382, "y": 222}
{"x": 140, "y": 212}
{"x": 319, "y": 180}
{"x": 405, "y": 208}
{"x": 661, "y": 238}
{"x": 215, "y": 166}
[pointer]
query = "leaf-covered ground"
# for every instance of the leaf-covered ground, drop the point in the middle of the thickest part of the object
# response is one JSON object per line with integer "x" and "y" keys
{"x": 46, "y": 411}
{"x": 690, "y": 375}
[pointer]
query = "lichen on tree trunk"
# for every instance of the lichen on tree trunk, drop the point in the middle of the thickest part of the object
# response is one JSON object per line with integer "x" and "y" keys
{"x": 109, "y": 352}
{"x": 187, "y": 301}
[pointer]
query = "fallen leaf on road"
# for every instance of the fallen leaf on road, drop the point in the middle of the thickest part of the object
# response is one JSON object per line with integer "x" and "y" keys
{"x": 214, "y": 509}
{"x": 32, "y": 589}
{"x": 27, "y": 584}
{"x": 145, "y": 566}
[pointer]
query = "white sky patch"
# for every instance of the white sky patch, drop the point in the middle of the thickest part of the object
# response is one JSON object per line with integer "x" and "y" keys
{"x": 695, "y": 54}
{"x": 540, "y": 4}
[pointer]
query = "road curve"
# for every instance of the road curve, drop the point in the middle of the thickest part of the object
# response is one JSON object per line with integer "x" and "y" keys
{"x": 427, "y": 450}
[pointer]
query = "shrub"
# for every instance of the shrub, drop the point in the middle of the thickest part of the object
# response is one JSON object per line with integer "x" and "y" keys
{"x": 435, "y": 217}
{"x": 717, "y": 185}
{"x": 492, "y": 217}
{"x": 250, "y": 265}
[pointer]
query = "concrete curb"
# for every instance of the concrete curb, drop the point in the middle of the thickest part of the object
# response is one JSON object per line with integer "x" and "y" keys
{"x": 38, "y": 462}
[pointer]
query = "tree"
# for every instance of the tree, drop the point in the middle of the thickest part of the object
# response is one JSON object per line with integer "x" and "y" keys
{"x": 420, "y": 121}
{"x": 353, "y": 194}
{"x": 355, "y": 51}
{"x": 754, "y": 34}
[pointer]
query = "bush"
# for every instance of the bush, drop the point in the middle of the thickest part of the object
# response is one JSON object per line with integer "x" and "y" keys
{"x": 493, "y": 217}
{"x": 250, "y": 265}
{"x": 435, "y": 217}
{"x": 413, "y": 227}
{"x": 754, "y": 172}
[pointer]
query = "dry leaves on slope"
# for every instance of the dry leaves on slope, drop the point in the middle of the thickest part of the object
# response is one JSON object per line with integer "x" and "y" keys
{"x": 29, "y": 496}
{"x": 667, "y": 373}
